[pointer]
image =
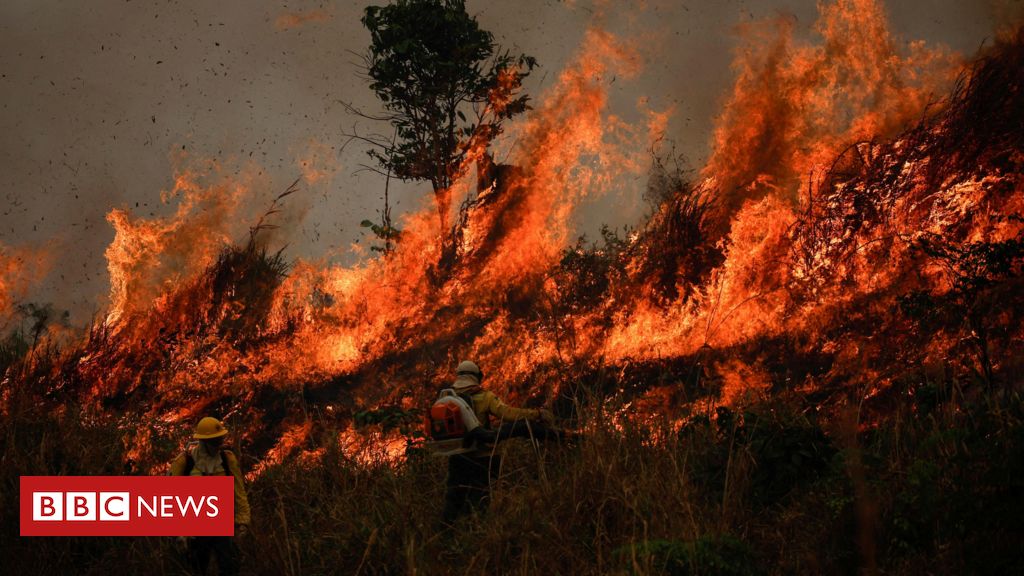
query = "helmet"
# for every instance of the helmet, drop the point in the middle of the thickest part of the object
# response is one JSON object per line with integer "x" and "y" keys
{"x": 209, "y": 428}
{"x": 468, "y": 367}
{"x": 467, "y": 375}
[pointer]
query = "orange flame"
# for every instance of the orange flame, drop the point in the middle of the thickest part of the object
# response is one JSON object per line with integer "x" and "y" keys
{"x": 794, "y": 107}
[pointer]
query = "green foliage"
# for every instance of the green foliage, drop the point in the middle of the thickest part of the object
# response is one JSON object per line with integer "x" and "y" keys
{"x": 786, "y": 449}
{"x": 615, "y": 503}
{"x": 958, "y": 490}
{"x": 386, "y": 233}
{"x": 917, "y": 506}
{"x": 444, "y": 83}
{"x": 721, "y": 555}
{"x": 789, "y": 451}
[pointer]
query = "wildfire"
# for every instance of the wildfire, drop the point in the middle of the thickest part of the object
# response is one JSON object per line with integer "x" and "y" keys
{"x": 808, "y": 218}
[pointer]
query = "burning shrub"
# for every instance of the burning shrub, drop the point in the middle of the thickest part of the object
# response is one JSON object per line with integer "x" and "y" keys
{"x": 242, "y": 284}
{"x": 983, "y": 126}
{"x": 676, "y": 251}
{"x": 982, "y": 299}
{"x": 392, "y": 420}
{"x": 40, "y": 318}
{"x": 587, "y": 273}
{"x": 13, "y": 348}
{"x": 952, "y": 176}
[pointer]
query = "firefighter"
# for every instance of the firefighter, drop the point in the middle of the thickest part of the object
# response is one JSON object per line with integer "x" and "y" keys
{"x": 208, "y": 457}
{"x": 469, "y": 474}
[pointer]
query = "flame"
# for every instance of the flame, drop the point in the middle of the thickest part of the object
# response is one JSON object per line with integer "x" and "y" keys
{"x": 791, "y": 112}
{"x": 512, "y": 246}
{"x": 148, "y": 258}
{"x": 794, "y": 107}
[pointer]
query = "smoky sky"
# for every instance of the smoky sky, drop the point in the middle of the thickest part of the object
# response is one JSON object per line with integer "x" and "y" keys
{"x": 101, "y": 99}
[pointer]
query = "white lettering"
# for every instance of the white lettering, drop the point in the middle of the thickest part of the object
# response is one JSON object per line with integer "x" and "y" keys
{"x": 214, "y": 510}
{"x": 145, "y": 504}
{"x": 190, "y": 503}
{"x": 167, "y": 506}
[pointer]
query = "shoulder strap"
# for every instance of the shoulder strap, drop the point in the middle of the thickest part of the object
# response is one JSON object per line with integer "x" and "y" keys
{"x": 468, "y": 399}
{"x": 224, "y": 453}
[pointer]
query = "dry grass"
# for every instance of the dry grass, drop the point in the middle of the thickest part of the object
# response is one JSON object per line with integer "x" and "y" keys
{"x": 621, "y": 500}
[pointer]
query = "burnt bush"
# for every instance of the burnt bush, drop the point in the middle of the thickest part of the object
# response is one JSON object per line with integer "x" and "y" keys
{"x": 984, "y": 124}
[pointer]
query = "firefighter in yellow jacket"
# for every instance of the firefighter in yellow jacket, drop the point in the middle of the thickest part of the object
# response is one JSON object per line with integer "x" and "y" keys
{"x": 469, "y": 474}
{"x": 208, "y": 457}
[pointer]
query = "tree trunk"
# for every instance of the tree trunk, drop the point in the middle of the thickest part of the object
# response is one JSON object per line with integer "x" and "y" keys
{"x": 443, "y": 201}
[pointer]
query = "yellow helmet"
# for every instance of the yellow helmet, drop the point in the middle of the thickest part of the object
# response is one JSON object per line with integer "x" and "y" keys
{"x": 208, "y": 428}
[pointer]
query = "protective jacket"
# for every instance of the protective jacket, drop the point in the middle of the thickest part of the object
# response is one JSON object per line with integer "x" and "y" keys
{"x": 194, "y": 462}
{"x": 486, "y": 404}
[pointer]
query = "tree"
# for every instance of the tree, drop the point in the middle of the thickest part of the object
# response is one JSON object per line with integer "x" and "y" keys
{"x": 446, "y": 87}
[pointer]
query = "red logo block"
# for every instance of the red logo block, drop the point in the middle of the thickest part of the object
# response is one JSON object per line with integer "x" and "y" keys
{"x": 127, "y": 506}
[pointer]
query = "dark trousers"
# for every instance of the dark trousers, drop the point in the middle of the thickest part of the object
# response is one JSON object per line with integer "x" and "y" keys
{"x": 468, "y": 485}
{"x": 201, "y": 548}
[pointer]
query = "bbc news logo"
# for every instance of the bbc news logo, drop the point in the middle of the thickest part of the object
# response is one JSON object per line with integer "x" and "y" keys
{"x": 116, "y": 506}
{"x": 127, "y": 506}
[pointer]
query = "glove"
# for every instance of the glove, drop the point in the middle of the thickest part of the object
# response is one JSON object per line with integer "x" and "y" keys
{"x": 546, "y": 416}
